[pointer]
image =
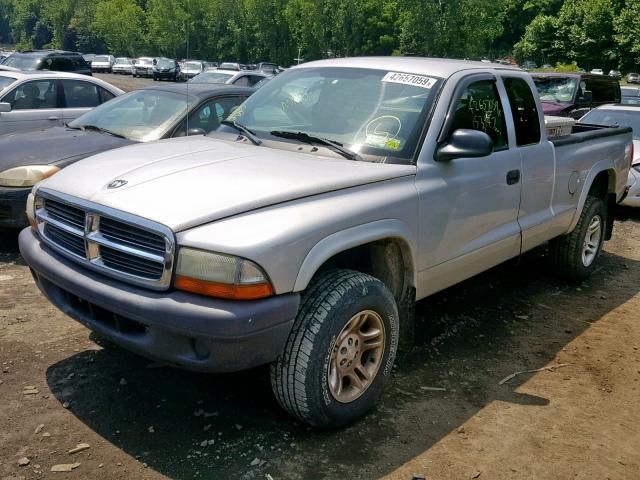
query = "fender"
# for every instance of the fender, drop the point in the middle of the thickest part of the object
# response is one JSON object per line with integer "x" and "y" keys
{"x": 353, "y": 237}
{"x": 599, "y": 167}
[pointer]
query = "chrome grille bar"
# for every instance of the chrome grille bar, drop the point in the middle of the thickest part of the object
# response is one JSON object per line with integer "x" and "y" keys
{"x": 106, "y": 240}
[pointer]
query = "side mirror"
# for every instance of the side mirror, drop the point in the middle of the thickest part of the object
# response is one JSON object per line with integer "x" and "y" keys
{"x": 5, "y": 107}
{"x": 195, "y": 131}
{"x": 465, "y": 143}
{"x": 587, "y": 96}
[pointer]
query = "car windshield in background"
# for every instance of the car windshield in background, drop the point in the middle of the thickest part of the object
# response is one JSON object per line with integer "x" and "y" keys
{"x": 193, "y": 66}
{"x": 5, "y": 82}
{"x": 142, "y": 115}
{"x": 22, "y": 62}
{"x": 121, "y": 61}
{"x": 145, "y": 61}
{"x": 627, "y": 118}
{"x": 165, "y": 62}
{"x": 101, "y": 58}
{"x": 377, "y": 114}
{"x": 211, "y": 77}
{"x": 556, "y": 89}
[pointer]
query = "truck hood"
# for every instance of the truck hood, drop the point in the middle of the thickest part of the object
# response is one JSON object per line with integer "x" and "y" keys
{"x": 186, "y": 182}
{"x": 57, "y": 146}
{"x": 554, "y": 108}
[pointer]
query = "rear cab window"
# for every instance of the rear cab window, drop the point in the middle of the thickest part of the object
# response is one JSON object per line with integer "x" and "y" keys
{"x": 524, "y": 111}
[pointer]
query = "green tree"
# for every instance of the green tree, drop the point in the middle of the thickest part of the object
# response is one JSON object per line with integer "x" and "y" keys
{"x": 627, "y": 34}
{"x": 120, "y": 24}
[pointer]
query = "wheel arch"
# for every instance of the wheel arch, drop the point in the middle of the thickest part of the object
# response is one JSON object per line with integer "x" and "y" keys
{"x": 390, "y": 246}
{"x": 601, "y": 183}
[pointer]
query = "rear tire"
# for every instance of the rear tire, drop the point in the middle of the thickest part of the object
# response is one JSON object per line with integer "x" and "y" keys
{"x": 340, "y": 351}
{"x": 574, "y": 256}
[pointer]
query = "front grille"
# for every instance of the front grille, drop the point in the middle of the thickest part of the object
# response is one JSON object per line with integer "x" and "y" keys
{"x": 106, "y": 240}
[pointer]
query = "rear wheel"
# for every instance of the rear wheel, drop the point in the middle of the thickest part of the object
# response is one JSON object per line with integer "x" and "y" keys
{"x": 574, "y": 256}
{"x": 340, "y": 351}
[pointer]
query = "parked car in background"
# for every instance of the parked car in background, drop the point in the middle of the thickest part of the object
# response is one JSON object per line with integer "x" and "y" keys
{"x": 615, "y": 74}
{"x": 574, "y": 94}
{"x": 529, "y": 65}
{"x": 302, "y": 231}
{"x": 123, "y": 65}
{"x": 630, "y": 95}
{"x": 88, "y": 57}
{"x": 102, "y": 63}
{"x": 143, "y": 67}
{"x": 191, "y": 68}
{"x": 230, "y": 66}
{"x": 597, "y": 71}
{"x": 268, "y": 68}
{"x": 152, "y": 113}
{"x": 36, "y": 100}
{"x": 210, "y": 65}
{"x": 633, "y": 78}
{"x": 244, "y": 78}
{"x": 166, "y": 69}
{"x": 52, "y": 60}
{"x": 628, "y": 116}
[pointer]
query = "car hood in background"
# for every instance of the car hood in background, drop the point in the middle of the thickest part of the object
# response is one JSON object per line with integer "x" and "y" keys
{"x": 57, "y": 145}
{"x": 186, "y": 182}
{"x": 554, "y": 108}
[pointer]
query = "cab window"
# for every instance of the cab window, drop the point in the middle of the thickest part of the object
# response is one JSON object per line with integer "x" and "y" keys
{"x": 479, "y": 108}
{"x": 34, "y": 95}
{"x": 524, "y": 111}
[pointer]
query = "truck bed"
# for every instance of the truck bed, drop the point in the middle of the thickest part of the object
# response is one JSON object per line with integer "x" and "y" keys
{"x": 583, "y": 132}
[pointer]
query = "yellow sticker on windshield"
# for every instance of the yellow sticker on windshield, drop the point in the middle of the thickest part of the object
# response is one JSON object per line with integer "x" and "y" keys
{"x": 393, "y": 144}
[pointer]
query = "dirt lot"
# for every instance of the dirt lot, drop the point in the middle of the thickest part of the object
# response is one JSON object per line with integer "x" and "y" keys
{"x": 125, "y": 82}
{"x": 143, "y": 420}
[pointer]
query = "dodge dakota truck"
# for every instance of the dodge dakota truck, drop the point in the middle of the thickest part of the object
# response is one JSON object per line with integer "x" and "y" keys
{"x": 301, "y": 233}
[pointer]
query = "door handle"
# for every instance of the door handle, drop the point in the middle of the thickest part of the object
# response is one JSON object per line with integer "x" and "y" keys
{"x": 53, "y": 118}
{"x": 513, "y": 177}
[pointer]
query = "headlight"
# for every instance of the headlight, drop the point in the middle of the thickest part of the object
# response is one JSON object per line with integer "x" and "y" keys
{"x": 218, "y": 275}
{"x": 33, "y": 203}
{"x": 26, "y": 176}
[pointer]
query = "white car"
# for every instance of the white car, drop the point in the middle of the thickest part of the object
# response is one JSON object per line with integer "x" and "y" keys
{"x": 624, "y": 115}
{"x": 597, "y": 71}
{"x": 244, "y": 78}
{"x": 123, "y": 65}
{"x": 43, "y": 99}
{"x": 102, "y": 63}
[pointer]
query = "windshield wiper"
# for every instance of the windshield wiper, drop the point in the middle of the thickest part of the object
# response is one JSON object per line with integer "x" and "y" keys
{"x": 96, "y": 128}
{"x": 305, "y": 137}
{"x": 244, "y": 131}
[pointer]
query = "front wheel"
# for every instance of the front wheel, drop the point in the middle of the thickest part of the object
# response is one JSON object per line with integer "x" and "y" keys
{"x": 574, "y": 256}
{"x": 340, "y": 351}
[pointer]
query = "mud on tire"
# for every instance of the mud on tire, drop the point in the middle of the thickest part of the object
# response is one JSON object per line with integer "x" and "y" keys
{"x": 332, "y": 304}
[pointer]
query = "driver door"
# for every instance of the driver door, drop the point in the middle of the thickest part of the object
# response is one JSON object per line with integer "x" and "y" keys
{"x": 468, "y": 207}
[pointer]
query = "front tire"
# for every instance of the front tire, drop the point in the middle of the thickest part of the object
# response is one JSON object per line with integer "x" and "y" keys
{"x": 574, "y": 256}
{"x": 340, "y": 351}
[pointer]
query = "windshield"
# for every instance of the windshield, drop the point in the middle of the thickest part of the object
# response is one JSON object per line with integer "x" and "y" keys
{"x": 164, "y": 62}
{"x": 145, "y": 61}
{"x": 123, "y": 60}
{"x": 211, "y": 77}
{"x": 627, "y": 118}
{"x": 5, "y": 82}
{"x": 142, "y": 115}
{"x": 22, "y": 62}
{"x": 376, "y": 113}
{"x": 229, "y": 66}
{"x": 556, "y": 89}
{"x": 101, "y": 58}
{"x": 193, "y": 65}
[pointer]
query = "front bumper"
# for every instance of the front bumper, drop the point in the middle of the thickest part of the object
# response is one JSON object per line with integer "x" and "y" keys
{"x": 188, "y": 331}
{"x": 13, "y": 205}
{"x": 165, "y": 74}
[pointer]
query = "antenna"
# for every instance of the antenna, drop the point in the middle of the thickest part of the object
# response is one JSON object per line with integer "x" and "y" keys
{"x": 186, "y": 30}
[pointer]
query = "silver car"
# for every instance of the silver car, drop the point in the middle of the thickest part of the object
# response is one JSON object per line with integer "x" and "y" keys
{"x": 123, "y": 65}
{"x": 245, "y": 78}
{"x": 36, "y": 100}
{"x": 626, "y": 115}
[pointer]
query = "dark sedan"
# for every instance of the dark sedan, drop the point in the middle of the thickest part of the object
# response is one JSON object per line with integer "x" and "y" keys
{"x": 152, "y": 113}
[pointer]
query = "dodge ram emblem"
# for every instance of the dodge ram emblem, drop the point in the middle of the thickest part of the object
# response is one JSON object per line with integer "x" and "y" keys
{"x": 117, "y": 184}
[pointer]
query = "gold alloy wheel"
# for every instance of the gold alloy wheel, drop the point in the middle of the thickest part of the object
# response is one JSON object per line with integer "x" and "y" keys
{"x": 356, "y": 356}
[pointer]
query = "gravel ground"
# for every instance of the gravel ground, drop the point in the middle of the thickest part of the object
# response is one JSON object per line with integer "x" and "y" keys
{"x": 125, "y": 82}
{"x": 444, "y": 414}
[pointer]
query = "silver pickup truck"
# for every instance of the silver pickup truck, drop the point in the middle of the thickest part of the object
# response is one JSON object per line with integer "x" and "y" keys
{"x": 301, "y": 233}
